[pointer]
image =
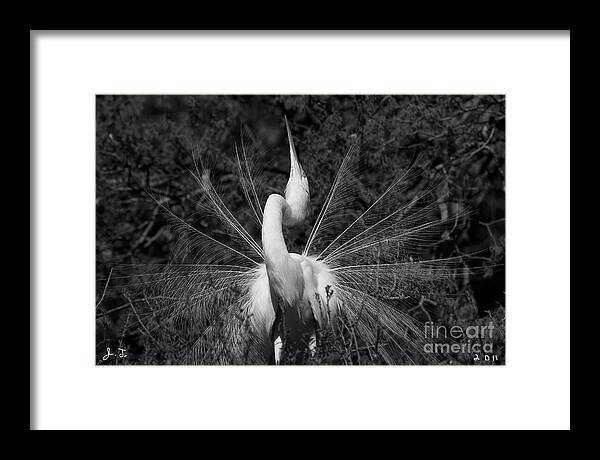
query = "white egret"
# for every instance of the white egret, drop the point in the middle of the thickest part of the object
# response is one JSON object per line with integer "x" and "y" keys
{"x": 295, "y": 281}
{"x": 250, "y": 302}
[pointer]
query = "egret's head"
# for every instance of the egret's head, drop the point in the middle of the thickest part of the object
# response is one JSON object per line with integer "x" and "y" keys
{"x": 297, "y": 193}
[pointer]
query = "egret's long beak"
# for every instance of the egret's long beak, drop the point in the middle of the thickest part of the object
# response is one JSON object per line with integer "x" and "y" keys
{"x": 295, "y": 167}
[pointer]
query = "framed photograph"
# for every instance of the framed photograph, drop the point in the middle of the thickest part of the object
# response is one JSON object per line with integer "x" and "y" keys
{"x": 251, "y": 221}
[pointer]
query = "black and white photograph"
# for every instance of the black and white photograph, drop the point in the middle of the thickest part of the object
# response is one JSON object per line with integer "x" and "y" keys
{"x": 310, "y": 230}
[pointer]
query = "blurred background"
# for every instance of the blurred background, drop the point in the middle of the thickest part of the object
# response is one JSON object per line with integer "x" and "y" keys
{"x": 145, "y": 145}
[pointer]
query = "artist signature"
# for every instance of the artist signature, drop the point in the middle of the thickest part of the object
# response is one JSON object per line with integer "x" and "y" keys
{"x": 121, "y": 353}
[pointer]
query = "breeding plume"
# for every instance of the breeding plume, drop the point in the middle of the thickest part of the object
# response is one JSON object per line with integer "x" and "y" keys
{"x": 255, "y": 302}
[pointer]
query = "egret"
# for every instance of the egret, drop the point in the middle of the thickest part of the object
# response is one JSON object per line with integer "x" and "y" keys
{"x": 256, "y": 303}
{"x": 291, "y": 311}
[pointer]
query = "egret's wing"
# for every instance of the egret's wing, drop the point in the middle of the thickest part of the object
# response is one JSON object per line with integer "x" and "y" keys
{"x": 176, "y": 290}
{"x": 402, "y": 232}
{"x": 384, "y": 255}
{"x": 250, "y": 177}
{"x": 241, "y": 332}
{"x": 385, "y": 332}
{"x": 222, "y": 312}
{"x": 389, "y": 244}
{"x": 195, "y": 246}
{"x": 212, "y": 204}
{"x": 339, "y": 200}
{"x": 397, "y": 210}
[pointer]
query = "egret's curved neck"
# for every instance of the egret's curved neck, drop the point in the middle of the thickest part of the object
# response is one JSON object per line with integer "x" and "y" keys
{"x": 276, "y": 252}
